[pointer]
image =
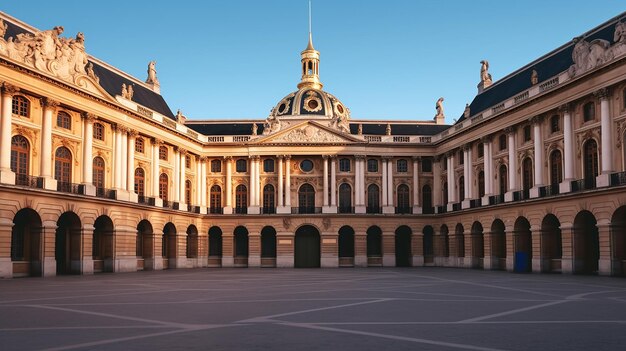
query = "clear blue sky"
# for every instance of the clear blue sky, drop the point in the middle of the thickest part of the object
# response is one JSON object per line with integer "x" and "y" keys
{"x": 385, "y": 59}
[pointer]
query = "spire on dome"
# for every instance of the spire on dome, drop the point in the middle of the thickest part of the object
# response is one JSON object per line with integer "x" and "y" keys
{"x": 310, "y": 59}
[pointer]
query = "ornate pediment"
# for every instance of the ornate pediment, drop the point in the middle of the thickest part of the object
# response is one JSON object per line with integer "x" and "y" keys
{"x": 309, "y": 133}
{"x": 47, "y": 52}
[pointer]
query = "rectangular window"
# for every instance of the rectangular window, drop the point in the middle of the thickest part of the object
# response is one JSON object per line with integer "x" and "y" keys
{"x": 527, "y": 134}
{"x": 344, "y": 165}
{"x": 216, "y": 166}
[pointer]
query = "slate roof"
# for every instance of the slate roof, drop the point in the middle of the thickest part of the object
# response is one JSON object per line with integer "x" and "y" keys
{"x": 369, "y": 128}
{"x": 547, "y": 66}
{"x": 112, "y": 81}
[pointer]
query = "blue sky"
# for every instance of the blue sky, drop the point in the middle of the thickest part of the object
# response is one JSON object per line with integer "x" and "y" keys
{"x": 388, "y": 59}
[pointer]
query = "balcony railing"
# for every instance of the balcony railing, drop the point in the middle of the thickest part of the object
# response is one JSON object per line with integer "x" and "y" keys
{"x": 216, "y": 210}
{"x": 549, "y": 190}
{"x": 29, "y": 181}
{"x": 142, "y": 199}
{"x": 496, "y": 199}
{"x": 618, "y": 179}
{"x": 583, "y": 184}
{"x": 168, "y": 204}
{"x": 241, "y": 210}
{"x": 69, "y": 187}
{"x": 306, "y": 210}
{"x": 268, "y": 210}
{"x": 404, "y": 210}
{"x": 193, "y": 209}
{"x": 374, "y": 209}
{"x": 428, "y": 210}
{"x": 475, "y": 203}
{"x": 105, "y": 193}
{"x": 521, "y": 195}
{"x": 456, "y": 206}
{"x": 442, "y": 209}
{"x": 345, "y": 209}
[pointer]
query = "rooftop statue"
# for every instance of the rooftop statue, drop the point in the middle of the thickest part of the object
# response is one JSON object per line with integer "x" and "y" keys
{"x": 152, "y": 77}
{"x": 439, "y": 108}
{"x": 485, "y": 76}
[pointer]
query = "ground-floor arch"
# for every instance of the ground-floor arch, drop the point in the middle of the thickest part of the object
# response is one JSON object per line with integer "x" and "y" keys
{"x": 67, "y": 251}
{"x": 522, "y": 245}
{"x": 586, "y": 243}
{"x": 215, "y": 247}
{"x": 307, "y": 253}
{"x": 403, "y": 247}
{"x": 498, "y": 245}
{"x": 374, "y": 246}
{"x": 427, "y": 244}
{"x": 241, "y": 246}
{"x": 268, "y": 247}
{"x": 192, "y": 242}
{"x": 168, "y": 246}
{"x": 346, "y": 246}
{"x": 459, "y": 240}
{"x": 618, "y": 238}
{"x": 144, "y": 246}
{"x": 478, "y": 245}
{"x": 551, "y": 244}
{"x": 26, "y": 244}
{"x": 102, "y": 245}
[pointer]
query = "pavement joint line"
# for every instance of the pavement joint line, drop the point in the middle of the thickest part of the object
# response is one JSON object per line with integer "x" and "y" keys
{"x": 393, "y": 337}
{"x": 457, "y": 323}
{"x": 270, "y": 317}
{"x": 583, "y": 295}
{"x": 87, "y": 327}
{"x": 517, "y": 310}
{"x": 86, "y": 296}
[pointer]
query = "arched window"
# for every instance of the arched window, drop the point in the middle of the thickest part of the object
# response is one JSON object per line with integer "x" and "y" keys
{"x": 402, "y": 166}
{"x": 503, "y": 178}
{"x": 461, "y": 188}
{"x": 427, "y": 198}
{"x": 139, "y": 145}
{"x": 373, "y": 199}
{"x": 98, "y": 172}
{"x": 241, "y": 166}
{"x": 268, "y": 199}
{"x": 372, "y": 165}
{"x": 481, "y": 184}
{"x": 556, "y": 168}
{"x": 20, "y": 158}
{"x": 591, "y": 159}
{"x": 555, "y": 125}
{"x": 527, "y": 173}
{"x": 216, "y": 166}
{"x": 64, "y": 120}
{"x": 403, "y": 200}
{"x": 188, "y": 191}
{"x": 427, "y": 165}
{"x": 344, "y": 165}
{"x": 268, "y": 165}
{"x": 345, "y": 198}
{"x": 163, "y": 152}
{"x": 98, "y": 131}
{"x": 306, "y": 198}
{"x": 216, "y": 199}
{"x": 163, "y": 186}
{"x": 444, "y": 189}
{"x": 140, "y": 181}
{"x": 20, "y": 106}
{"x": 502, "y": 142}
{"x": 589, "y": 112}
{"x": 63, "y": 167}
{"x": 241, "y": 198}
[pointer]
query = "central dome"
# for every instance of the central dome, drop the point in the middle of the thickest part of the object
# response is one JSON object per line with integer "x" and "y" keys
{"x": 312, "y": 103}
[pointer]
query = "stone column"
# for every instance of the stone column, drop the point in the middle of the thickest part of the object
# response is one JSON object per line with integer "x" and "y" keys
{"x": 512, "y": 170}
{"x": 254, "y": 249}
{"x": 288, "y": 183}
{"x": 117, "y": 158}
{"x": 511, "y": 238}
{"x": 48, "y": 238}
{"x": 6, "y": 175}
{"x": 333, "y": 184}
{"x": 537, "y": 260}
{"x": 6, "y": 266}
{"x": 390, "y": 187}
{"x": 130, "y": 165}
{"x": 46, "y": 156}
{"x": 88, "y": 119}
{"x": 568, "y": 152}
{"x": 228, "y": 209}
{"x": 325, "y": 195}
{"x": 359, "y": 194}
{"x": 389, "y": 248}
{"x": 198, "y": 198}
{"x": 281, "y": 208}
{"x": 84, "y": 264}
{"x": 417, "y": 249}
{"x": 606, "y": 132}
{"x": 176, "y": 178}
{"x": 155, "y": 173}
{"x": 489, "y": 262}
{"x": 203, "y": 186}
{"x": 604, "y": 239}
{"x": 255, "y": 184}
{"x": 467, "y": 176}
{"x": 124, "y": 161}
{"x": 437, "y": 184}
{"x": 416, "y": 187}
{"x": 384, "y": 182}
{"x": 182, "y": 179}
{"x": 451, "y": 181}
{"x": 538, "y": 146}
{"x": 487, "y": 169}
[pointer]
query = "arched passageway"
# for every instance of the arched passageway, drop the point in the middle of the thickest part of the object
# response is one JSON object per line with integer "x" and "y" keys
{"x": 618, "y": 238}
{"x": 67, "y": 244}
{"x": 346, "y": 246}
{"x": 145, "y": 245}
{"x": 586, "y": 243}
{"x": 498, "y": 245}
{"x": 551, "y": 244}
{"x": 522, "y": 246}
{"x": 374, "y": 239}
{"x": 215, "y": 247}
{"x": 307, "y": 247}
{"x": 427, "y": 242}
{"x": 478, "y": 245}
{"x": 268, "y": 247}
{"x": 241, "y": 246}
{"x": 102, "y": 245}
{"x": 444, "y": 240}
{"x": 404, "y": 257}
{"x": 192, "y": 243}
{"x": 26, "y": 244}
{"x": 168, "y": 246}
{"x": 459, "y": 240}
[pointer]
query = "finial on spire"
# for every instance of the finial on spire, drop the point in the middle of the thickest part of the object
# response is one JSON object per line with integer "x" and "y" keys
{"x": 310, "y": 62}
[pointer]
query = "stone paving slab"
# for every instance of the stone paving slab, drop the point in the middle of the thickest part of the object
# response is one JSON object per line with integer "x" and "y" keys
{"x": 314, "y": 309}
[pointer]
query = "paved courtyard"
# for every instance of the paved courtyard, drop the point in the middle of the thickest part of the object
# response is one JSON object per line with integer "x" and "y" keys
{"x": 317, "y": 309}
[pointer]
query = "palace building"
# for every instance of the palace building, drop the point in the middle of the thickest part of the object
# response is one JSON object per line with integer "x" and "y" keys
{"x": 98, "y": 175}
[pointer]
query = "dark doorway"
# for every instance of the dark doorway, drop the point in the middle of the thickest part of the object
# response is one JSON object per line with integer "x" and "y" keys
{"x": 374, "y": 240}
{"x": 346, "y": 246}
{"x": 427, "y": 242}
{"x": 307, "y": 253}
{"x": 67, "y": 244}
{"x": 586, "y": 243}
{"x": 215, "y": 247}
{"x": 102, "y": 245}
{"x": 403, "y": 246}
{"x": 26, "y": 243}
{"x": 523, "y": 245}
{"x": 268, "y": 247}
{"x": 241, "y": 247}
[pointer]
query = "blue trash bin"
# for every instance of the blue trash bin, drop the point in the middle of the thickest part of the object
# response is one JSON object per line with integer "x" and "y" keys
{"x": 521, "y": 262}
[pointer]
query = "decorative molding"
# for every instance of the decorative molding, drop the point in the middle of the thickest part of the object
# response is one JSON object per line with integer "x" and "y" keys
{"x": 9, "y": 89}
{"x": 602, "y": 93}
{"x": 50, "y": 103}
